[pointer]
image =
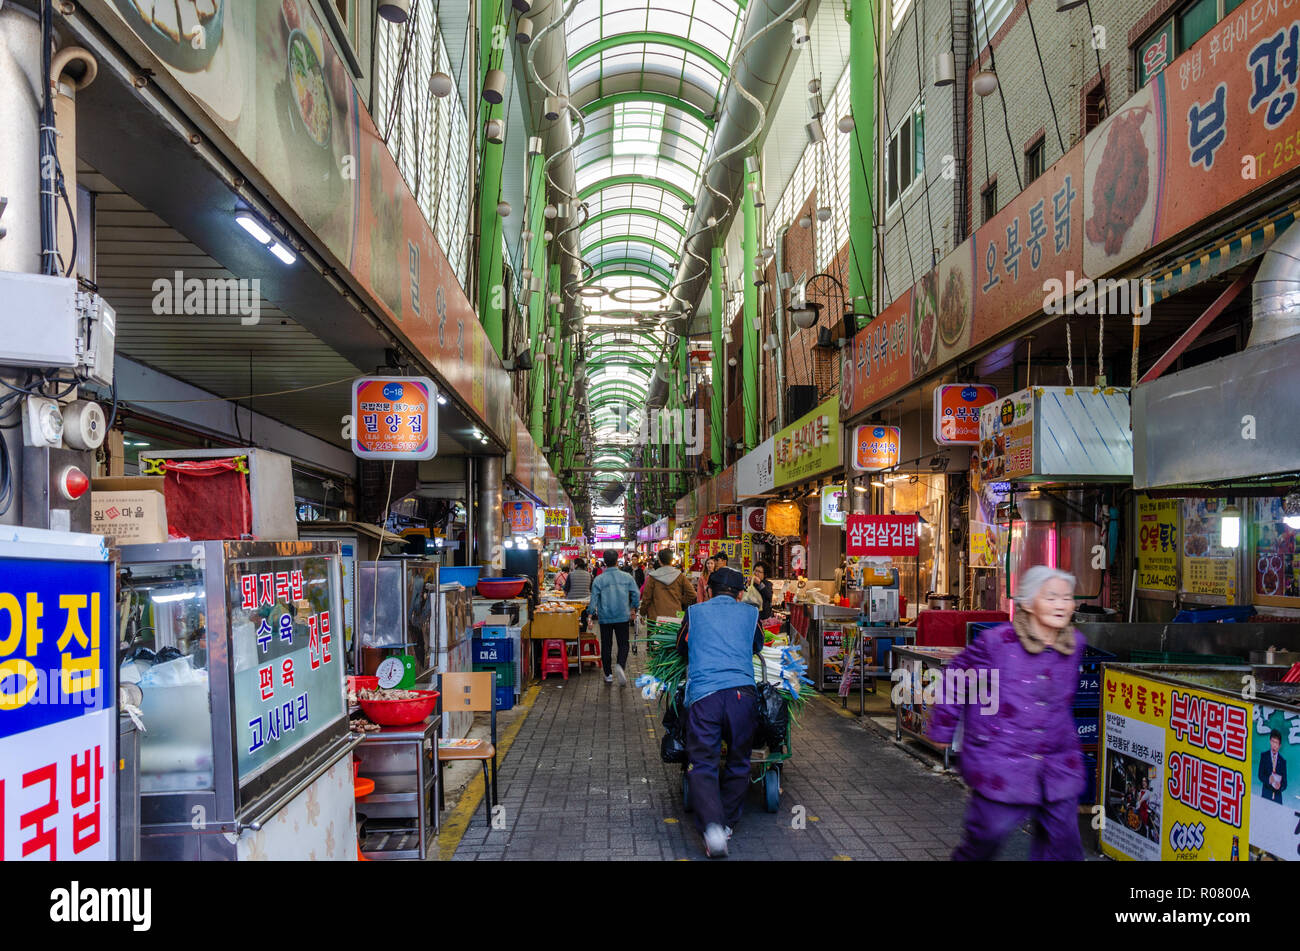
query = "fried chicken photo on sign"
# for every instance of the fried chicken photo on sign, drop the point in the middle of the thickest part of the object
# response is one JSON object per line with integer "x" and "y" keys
{"x": 1122, "y": 182}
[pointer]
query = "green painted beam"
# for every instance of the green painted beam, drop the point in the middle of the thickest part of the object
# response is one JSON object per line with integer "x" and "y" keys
{"x": 600, "y": 266}
{"x": 653, "y": 38}
{"x": 632, "y": 239}
{"x": 636, "y": 213}
{"x": 715, "y": 320}
{"x": 615, "y": 180}
{"x": 649, "y": 277}
{"x": 748, "y": 335}
{"x": 638, "y": 95}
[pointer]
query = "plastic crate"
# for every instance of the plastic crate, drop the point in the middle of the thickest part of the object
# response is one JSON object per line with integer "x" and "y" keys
{"x": 492, "y": 651}
{"x": 1177, "y": 657}
{"x": 505, "y": 674}
{"x": 1089, "y": 795}
{"x": 1087, "y": 724}
{"x": 467, "y": 576}
{"x": 505, "y": 698}
{"x": 1089, "y": 692}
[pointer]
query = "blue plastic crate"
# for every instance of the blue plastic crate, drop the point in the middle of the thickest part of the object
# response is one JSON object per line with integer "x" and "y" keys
{"x": 488, "y": 651}
{"x": 1088, "y": 725}
{"x": 1089, "y": 692}
{"x": 505, "y": 698}
{"x": 1089, "y": 795}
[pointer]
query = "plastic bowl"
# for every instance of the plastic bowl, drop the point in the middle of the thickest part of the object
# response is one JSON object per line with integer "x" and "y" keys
{"x": 465, "y": 575}
{"x": 401, "y": 712}
{"x": 500, "y": 587}
{"x": 362, "y": 682}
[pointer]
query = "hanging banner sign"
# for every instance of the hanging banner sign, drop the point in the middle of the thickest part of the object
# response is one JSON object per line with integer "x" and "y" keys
{"x": 394, "y": 417}
{"x": 733, "y": 526}
{"x": 832, "y": 505}
{"x": 746, "y": 554}
{"x": 882, "y": 535}
{"x": 711, "y": 527}
{"x": 876, "y": 447}
{"x": 521, "y": 516}
{"x": 754, "y": 519}
{"x": 810, "y": 446}
{"x": 755, "y": 472}
{"x": 556, "y": 517}
{"x": 957, "y": 412}
{"x": 1158, "y": 544}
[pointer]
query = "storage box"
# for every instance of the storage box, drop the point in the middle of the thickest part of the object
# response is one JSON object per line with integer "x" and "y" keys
{"x": 562, "y": 626}
{"x": 504, "y": 674}
{"x": 1089, "y": 692}
{"x": 491, "y": 651}
{"x": 505, "y": 698}
{"x": 491, "y": 631}
{"x": 1087, "y": 723}
{"x": 131, "y": 510}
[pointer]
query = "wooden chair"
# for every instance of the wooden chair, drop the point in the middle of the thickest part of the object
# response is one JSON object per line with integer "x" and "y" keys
{"x": 471, "y": 692}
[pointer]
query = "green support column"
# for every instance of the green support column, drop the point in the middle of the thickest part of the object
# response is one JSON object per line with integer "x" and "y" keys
{"x": 715, "y": 318}
{"x": 749, "y": 336}
{"x": 556, "y": 360}
{"x": 684, "y": 374}
{"x": 536, "y": 300}
{"x": 861, "y": 15}
{"x": 491, "y": 295}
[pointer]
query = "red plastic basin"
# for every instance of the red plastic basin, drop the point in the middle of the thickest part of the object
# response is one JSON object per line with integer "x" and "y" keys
{"x": 400, "y": 712}
{"x": 500, "y": 587}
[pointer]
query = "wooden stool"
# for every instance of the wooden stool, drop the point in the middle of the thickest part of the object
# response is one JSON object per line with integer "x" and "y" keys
{"x": 555, "y": 658}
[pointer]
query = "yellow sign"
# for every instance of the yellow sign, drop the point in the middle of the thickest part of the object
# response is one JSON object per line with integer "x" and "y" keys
{"x": 1175, "y": 772}
{"x": 984, "y": 545}
{"x": 1208, "y": 576}
{"x": 1157, "y": 544}
{"x": 810, "y": 445}
{"x": 746, "y": 553}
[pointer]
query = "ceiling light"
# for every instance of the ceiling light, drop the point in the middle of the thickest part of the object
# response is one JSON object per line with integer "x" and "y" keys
{"x": 552, "y": 106}
{"x": 1063, "y": 5}
{"x": 816, "y": 134}
{"x": 550, "y": 211}
{"x": 985, "y": 82}
{"x": 395, "y": 11}
{"x": 503, "y": 209}
{"x": 495, "y": 131}
{"x": 731, "y": 361}
{"x": 751, "y": 164}
{"x": 816, "y": 108}
{"x": 1230, "y": 527}
{"x": 250, "y": 223}
{"x": 945, "y": 68}
{"x": 805, "y": 222}
{"x": 524, "y": 30}
{"x": 547, "y": 236}
{"x": 440, "y": 84}
{"x": 283, "y": 253}
{"x": 534, "y": 145}
{"x": 799, "y": 32}
{"x": 824, "y": 213}
{"x": 806, "y": 316}
{"x": 814, "y": 87}
{"x": 494, "y": 87}
{"x": 442, "y": 400}
{"x": 845, "y": 124}
{"x": 879, "y": 484}
{"x": 759, "y": 199}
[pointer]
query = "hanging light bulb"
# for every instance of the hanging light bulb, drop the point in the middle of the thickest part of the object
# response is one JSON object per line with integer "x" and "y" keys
{"x": 547, "y": 236}
{"x": 945, "y": 68}
{"x": 503, "y": 209}
{"x": 845, "y": 124}
{"x": 814, "y": 87}
{"x": 985, "y": 82}
{"x": 805, "y": 222}
{"x": 550, "y": 211}
{"x": 824, "y": 213}
{"x": 440, "y": 84}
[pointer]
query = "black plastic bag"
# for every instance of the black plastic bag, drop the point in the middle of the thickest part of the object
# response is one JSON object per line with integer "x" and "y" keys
{"x": 773, "y": 717}
{"x": 672, "y": 749}
{"x": 675, "y": 713}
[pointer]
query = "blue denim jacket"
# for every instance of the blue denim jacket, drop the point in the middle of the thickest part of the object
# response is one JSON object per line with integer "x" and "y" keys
{"x": 614, "y": 596}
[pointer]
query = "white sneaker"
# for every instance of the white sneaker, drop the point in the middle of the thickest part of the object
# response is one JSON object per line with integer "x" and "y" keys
{"x": 609, "y": 679}
{"x": 727, "y": 829}
{"x": 715, "y": 841}
{"x": 621, "y": 674}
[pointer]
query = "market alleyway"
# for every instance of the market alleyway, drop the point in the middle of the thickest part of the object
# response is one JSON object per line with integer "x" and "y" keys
{"x": 583, "y": 781}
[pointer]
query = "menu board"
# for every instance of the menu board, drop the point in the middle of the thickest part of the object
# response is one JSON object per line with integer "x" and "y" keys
{"x": 288, "y": 657}
{"x": 1007, "y": 437}
{"x": 1273, "y": 562}
{"x": 1157, "y": 544}
{"x": 1207, "y": 566}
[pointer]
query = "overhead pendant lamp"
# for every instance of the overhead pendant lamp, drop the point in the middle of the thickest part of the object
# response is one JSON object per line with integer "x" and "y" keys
{"x": 550, "y": 212}
{"x": 985, "y": 82}
{"x": 945, "y": 68}
{"x": 524, "y": 30}
{"x": 395, "y": 11}
{"x": 440, "y": 84}
{"x": 494, "y": 87}
{"x": 805, "y": 221}
{"x": 523, "y": 6}
{"x": 814, "y": 87}
{"x": 1230, "y": 527}
{"x": 494, "y": 130}
{"x": 534, "y": 145}
{"x": 816, "y": 108}
{"x": 845, "y": 124}
{"x": 751, "y": 164}
{"x": 552, "y": 106}
{"x": 1063, "y": 5}
{"x": 816, "y": 134}
{"x": 503, "y": 209}
{"x": 824, "y": 213}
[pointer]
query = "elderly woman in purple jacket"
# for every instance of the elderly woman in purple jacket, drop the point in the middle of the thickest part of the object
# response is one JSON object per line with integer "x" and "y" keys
{"x": 1020, "y": 755}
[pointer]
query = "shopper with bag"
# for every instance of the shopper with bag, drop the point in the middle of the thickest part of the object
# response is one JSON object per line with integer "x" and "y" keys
{"x": 1020, "y": 754}
{"x": 613, "y": 599}
{"x": 719, "y": 639}
{"x": 759, "y": 592}
{"x": 667, "y": 592}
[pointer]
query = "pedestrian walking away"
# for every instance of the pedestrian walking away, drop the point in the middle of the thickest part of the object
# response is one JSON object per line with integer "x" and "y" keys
{"x": 613, "y": 599}
{"x": 1020, "y": 753}
{"x": 719, "y": 639}
{"x": 667, "y": 592}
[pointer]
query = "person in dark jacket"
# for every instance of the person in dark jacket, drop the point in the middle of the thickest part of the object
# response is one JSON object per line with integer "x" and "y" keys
{"x": 764, "y": 588}
{"x": 1272, "y": 769}
{"x": 719, "y": 639}
{"x": 1014, "y": 691}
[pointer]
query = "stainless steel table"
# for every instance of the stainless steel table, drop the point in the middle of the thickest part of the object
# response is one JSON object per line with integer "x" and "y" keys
{"x": 401, "y": 815}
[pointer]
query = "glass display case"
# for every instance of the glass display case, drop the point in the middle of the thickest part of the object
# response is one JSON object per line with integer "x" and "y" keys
{"x": 395, "y": 613}
{"x": 237, "y": 651}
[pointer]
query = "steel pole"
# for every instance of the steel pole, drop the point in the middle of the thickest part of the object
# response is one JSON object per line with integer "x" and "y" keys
{"x": 491, "y": 295}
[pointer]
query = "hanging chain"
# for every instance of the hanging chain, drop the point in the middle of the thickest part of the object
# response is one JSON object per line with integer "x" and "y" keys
{"x": 1101, "y": 348}
{"x": 1069, "y": 354}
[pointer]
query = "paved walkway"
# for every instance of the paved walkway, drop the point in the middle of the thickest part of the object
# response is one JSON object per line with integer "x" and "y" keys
{"x": 583, "y": 781}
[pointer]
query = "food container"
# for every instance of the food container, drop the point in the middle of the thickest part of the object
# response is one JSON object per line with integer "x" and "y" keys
{"x": 501, "y": 587}
{"x": 356, "y": 683}
{"x": 400, "y": 712}
{"x": 466, "y": 575}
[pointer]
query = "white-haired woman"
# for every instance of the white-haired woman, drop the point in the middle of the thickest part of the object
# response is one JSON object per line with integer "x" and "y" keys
{"x": 1020, "y": 753}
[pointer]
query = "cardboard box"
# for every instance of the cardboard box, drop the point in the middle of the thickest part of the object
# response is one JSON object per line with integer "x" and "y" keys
{"x": 562, "y": 626}
{"x": 130, "y": 510}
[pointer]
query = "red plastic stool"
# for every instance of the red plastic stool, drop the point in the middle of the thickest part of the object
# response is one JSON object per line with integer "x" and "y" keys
{"x": 588, "y": 650}
{"x": 555, "y": 659}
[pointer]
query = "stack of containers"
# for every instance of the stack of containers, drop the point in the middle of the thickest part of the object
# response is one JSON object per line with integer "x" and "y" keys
{"x": 1087, "y": 713}
{"x": 516, "y": 640}
{"x": 495, "y": 650}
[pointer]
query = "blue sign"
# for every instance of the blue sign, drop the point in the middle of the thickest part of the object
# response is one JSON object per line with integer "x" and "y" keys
{"x": 969, "y": 394}
{"x": 56, "y": 642}
{"x": 393, "y": 391}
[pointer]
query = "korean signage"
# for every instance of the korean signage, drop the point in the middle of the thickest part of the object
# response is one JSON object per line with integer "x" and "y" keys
{"x": 746, "y": 554}
{"x": 753, "y": 519}
{"x": 1214, "y": 126}
{"x": 1274, "y": 800}
{"x": 711, "y": 528}
{"x": 1176, "y": 773}
{"x": 1156, "y": 53}
{"x": 733, "y": 526}
{"x": 878, "y": 361}
{"x": 1208, "y": 568}
{"x": 58, "y": 717}
{"x": 809, "y": 446}
{"x": 557, "y": 518}
{"x": 755, "y": 472}
{"x": 1157, "y": 544}
{"x": 876, "y": 447}
{"x": 874, "y": 536}
{"x": 832, "y": 505}
{"x": 957, "y": 412}
{"x": 394, "y": 418}
{"x": 1006, "y": 447}
{"x": 521, "y": 516}
{"x": 288, "y": 658}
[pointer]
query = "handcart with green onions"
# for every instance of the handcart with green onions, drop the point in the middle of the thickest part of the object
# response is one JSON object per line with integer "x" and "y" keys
{"x": 781, "y": 676}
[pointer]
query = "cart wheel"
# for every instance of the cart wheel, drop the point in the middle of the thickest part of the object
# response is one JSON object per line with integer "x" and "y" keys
{"x": 772, "y": 789}
{"x": 686, "y": 792}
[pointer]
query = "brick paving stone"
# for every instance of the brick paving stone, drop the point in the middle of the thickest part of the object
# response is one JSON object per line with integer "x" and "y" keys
{"x": 583, "y": 782}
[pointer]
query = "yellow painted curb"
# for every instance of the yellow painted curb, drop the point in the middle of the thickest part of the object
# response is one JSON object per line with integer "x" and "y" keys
{"x": 453, "y": 829}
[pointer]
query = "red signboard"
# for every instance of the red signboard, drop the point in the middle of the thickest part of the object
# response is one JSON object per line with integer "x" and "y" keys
{"x": 875, "y": 447}
{"x": 882, "y": 535}
{"x": 521, "y": 516}
{"x": 879, "y": 360}
{"x": 957, "y": 412}
{"x": 733, "y": 526}
{"x": 710, "y": 528}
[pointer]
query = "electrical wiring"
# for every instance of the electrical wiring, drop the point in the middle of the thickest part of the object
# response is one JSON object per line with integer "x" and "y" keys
{"x": 993, "y": 65}
{"x": 1048, "y": 86}
{"x": 920, "y": 89}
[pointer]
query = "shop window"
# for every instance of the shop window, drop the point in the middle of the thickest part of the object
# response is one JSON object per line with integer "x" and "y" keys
{"x": 906, "y": 155}
{"x": 925, "y": 494}
{"x": 989, "y": 17}
{"x": 989, "y": 200}
{"x": 1034, "y": 158}
{"x": 1094, "y": 106}
{"x": 1274, "y": 564}
{"x": 1174, "y": 35}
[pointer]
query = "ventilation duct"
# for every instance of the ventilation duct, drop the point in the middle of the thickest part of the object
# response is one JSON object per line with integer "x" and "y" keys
{"x": 1275, "y": 303}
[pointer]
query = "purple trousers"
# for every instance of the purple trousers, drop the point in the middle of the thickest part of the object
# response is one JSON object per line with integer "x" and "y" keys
{"x": 989, "y": 823}
{"x": 728, "y": 715}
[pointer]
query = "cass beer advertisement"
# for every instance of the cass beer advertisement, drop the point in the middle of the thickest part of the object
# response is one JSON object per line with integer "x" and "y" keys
{"x": 1176, "y": 771}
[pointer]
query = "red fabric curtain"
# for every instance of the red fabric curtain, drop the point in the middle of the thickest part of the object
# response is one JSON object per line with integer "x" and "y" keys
{"x": 208, "y": 499}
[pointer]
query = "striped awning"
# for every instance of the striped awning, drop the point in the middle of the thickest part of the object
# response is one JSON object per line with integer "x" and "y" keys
{"x": 1223, "y": 254}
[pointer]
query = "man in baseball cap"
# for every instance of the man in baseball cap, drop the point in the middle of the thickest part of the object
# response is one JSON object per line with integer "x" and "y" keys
{"x": 719, "y": 638}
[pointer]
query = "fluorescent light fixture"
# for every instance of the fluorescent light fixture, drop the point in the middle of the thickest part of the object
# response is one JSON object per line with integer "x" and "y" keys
{"x": 442, "y": 400}
{"x": 508, "y": 543}
{"x": 477, "y": 434}
{"x": 283, "y": 253}
{"x": 250, "y": 223}
{"x": 1230, "y": 527}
